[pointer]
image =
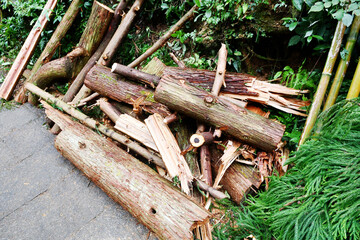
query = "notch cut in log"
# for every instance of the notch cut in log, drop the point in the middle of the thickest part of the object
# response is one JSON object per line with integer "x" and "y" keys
{"x": 141, "y": 191}
{"x": 100, "y": 79}
{"x": 248, "y": 127}
{"x": 26, "y": 52}
{"x": 169, "y": 150}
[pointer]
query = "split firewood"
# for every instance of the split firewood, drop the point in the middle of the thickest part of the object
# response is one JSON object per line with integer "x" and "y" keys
{"x": 248, "y": 127}
{"x": 100, "y": 79}
{"x": 231, "y": 153}
{"x": 94, "y": 124}
{"x": 70, "y": 65}
{"x": 26, "y": 52}
{"x": 133, "y": 184}
{"x": 52, "y": 44}
{"x": 175, "y": 163}
{"x": 159, "y": 43}
{"x": 136, "y": 130}
{"x": 205, "y": 163}
{"x": 120, "y": 34}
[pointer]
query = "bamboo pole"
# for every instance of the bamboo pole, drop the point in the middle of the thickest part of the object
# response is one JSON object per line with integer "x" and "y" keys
{"x": 355, "y": 84}
{"x": 343, "y": 64}
{"x": 324, "y": 81}
{"x": 26, "y": 51}
{"x": 159, "y": 43}
{"x": 94, "y": 124}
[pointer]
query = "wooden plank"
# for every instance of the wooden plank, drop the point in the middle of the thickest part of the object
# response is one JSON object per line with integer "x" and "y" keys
{"x": 26, "y": 51}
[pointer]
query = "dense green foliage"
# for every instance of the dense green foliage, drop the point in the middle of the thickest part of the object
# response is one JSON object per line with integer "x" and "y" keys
{"x": 319, "y": 197}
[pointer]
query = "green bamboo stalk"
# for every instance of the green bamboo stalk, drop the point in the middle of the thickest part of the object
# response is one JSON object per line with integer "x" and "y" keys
{"x": 354, "y": 89}
{"x": 324, "y": 81}
{"x": 343, "y": 64}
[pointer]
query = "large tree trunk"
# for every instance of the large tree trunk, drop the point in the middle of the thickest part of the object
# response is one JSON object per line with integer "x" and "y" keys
{"x": 100, "y": 79}
{"x": 147, "y": 196}
{"x": 249, "y": 127}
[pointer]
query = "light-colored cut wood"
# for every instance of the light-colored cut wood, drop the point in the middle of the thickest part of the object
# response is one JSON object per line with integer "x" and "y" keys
{"x": 170, "y": 214}
{"x": 26, "y": 52}
{"x": 169, "y": 150}
{"x": 136, "y": 130}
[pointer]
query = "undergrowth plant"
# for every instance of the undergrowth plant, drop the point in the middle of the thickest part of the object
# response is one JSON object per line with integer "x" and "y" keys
{"x": 316, "y": 199}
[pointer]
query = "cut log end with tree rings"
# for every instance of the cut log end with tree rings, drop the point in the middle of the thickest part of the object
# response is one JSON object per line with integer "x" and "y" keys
{"x": 200, "y": 139}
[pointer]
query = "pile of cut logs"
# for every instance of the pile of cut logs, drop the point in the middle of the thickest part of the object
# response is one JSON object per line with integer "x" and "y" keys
{"x": 199, "y": 129}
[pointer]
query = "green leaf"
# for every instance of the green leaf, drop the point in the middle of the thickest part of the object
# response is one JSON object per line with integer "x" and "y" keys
{"x": 237, "y": 53}
{"x": 245, "y": 7}
{"x": 353, "y": 7}
{"x": 327, "y": 4}
{"x": 347, "y": 19}
{"x": 292, "y": 25}
{"x": 277, "y": 75}
{"x": 357, "y": 12}
{"x": 208, "y": 13}
{"x": 335, "y": 2}
{"x": 198, "y": 3}
{"x": 317, "y": 7}
{"x": 164, "y": 6}
{"x": 294, "y": 40}
{"x": 338, "y": 14}
{"x": 308, "y": 33}
{"x": 298, "y": 4}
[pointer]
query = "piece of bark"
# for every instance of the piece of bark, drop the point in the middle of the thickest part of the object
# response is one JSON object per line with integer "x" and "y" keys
{"x": 235, "y": 82}
{"x": 132, "y": 73}
{"x": 159, "y": 43}
{"x": 248, "y": 127}
{"x": 94, "y": 124}
{"x": 120, "y": 33}
{"x": 141, "y": 191}
{"x": 52, "y": 44}
{"x": 220, "y": 71}
{"x": 26, "y": 52}
{"x": 100, "y": 79}
{"x": 109, "y": 109}
{"x": 136, "y": 130}
{"x": 169, "y": 150}
{"x": 72, "y": 64}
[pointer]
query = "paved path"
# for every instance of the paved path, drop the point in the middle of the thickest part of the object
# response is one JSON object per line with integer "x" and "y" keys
{"x": 43, "y": 196}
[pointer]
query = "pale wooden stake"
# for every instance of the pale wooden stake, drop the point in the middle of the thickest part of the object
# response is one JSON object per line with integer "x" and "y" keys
{"x": 26, "y": 51}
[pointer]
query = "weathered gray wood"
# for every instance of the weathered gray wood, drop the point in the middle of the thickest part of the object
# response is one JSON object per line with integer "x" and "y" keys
{"x": 248, "y": 127}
